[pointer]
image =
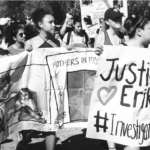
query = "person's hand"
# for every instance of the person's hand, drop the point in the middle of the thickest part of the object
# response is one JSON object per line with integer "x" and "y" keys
{"x": 99, "y": 50}
{"x": 29, "y": 48}
{"x": 68, "y": 19}
{"x": 70, "y": 47}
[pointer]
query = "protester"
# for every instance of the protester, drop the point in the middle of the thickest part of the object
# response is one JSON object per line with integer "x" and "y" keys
{"x": 68, "y": 24}
{"x": 138, "y": 31}
{"x": 44, "y": 22}
{"x": 46, "y": 26}
{"x": 111, "y": 34}
{"x": 15, "y": 38}
{"x": 76, "y": 38}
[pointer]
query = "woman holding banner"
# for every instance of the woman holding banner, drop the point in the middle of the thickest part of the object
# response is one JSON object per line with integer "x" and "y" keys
{"x": 44, "y": 22}
{"x": 111, "y": 34}
{"x": 138, "y": 31}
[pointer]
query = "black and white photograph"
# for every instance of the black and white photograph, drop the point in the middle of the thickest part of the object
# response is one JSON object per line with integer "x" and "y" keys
{"x": 75, "y": 75}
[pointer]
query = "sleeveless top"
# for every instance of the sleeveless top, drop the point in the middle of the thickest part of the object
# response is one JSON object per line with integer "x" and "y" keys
{"x": 50, "y": 43}
{"x": 107, "y": 39}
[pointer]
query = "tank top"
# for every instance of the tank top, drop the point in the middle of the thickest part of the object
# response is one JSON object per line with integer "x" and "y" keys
{"x": 50, "y": 44}
{"x": 107, "y": 39}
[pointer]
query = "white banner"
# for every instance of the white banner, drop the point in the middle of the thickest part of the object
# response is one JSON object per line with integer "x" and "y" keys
{"x": 120, "y": 103}
{"x": 46, "y": 89}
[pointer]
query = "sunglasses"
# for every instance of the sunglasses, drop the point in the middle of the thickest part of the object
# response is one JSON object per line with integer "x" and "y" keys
{"x": 21, "y": 34}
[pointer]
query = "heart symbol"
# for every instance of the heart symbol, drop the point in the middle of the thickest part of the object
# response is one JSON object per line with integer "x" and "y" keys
{"x": 108, "y": 96}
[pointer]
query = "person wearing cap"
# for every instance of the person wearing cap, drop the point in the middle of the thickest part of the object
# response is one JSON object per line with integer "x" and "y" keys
{"x": 112, "y": 34}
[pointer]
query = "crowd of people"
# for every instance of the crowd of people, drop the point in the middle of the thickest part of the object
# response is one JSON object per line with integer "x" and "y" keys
{"x": 40, "y": 31}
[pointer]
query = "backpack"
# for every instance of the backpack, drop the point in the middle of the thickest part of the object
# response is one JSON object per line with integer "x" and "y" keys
{"x": 69, "y": 35}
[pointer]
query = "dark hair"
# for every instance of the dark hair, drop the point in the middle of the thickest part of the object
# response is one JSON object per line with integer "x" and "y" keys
{"x": 38, "y": 16}
{"x": 23, "y": 90}
{"x": 16, "y": 29}
{"x": 31, "y": 31}
{"x": 132, "y": 23}
{"x": 11, "y": 31}
{"x": 77, "y": 19}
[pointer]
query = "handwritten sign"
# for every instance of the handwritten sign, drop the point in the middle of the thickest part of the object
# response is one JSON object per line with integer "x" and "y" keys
{"x": 120, "y": 103}
{"x": 73, "y": 75}
{"x": 92, "y": 13}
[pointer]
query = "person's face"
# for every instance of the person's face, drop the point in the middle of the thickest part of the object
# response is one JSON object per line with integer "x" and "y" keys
{"x": 115, "y": 23}
{"x": 21, "y": 36}
{"x": 145, "y": 33}
{"x": 78, "y": 27}
{"x": 48, "y": 24}
{"x": 24, "y": 96}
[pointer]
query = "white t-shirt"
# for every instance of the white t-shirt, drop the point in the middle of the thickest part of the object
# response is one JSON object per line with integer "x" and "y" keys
{"x": 78, "y": 41}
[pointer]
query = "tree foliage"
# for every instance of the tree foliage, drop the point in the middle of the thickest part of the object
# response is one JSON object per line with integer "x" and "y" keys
{"x": 11, "y": 8}
{"x": 140, "y": 7}
{"x": 21, "y": 9}
{"x": 58, "y": 8}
